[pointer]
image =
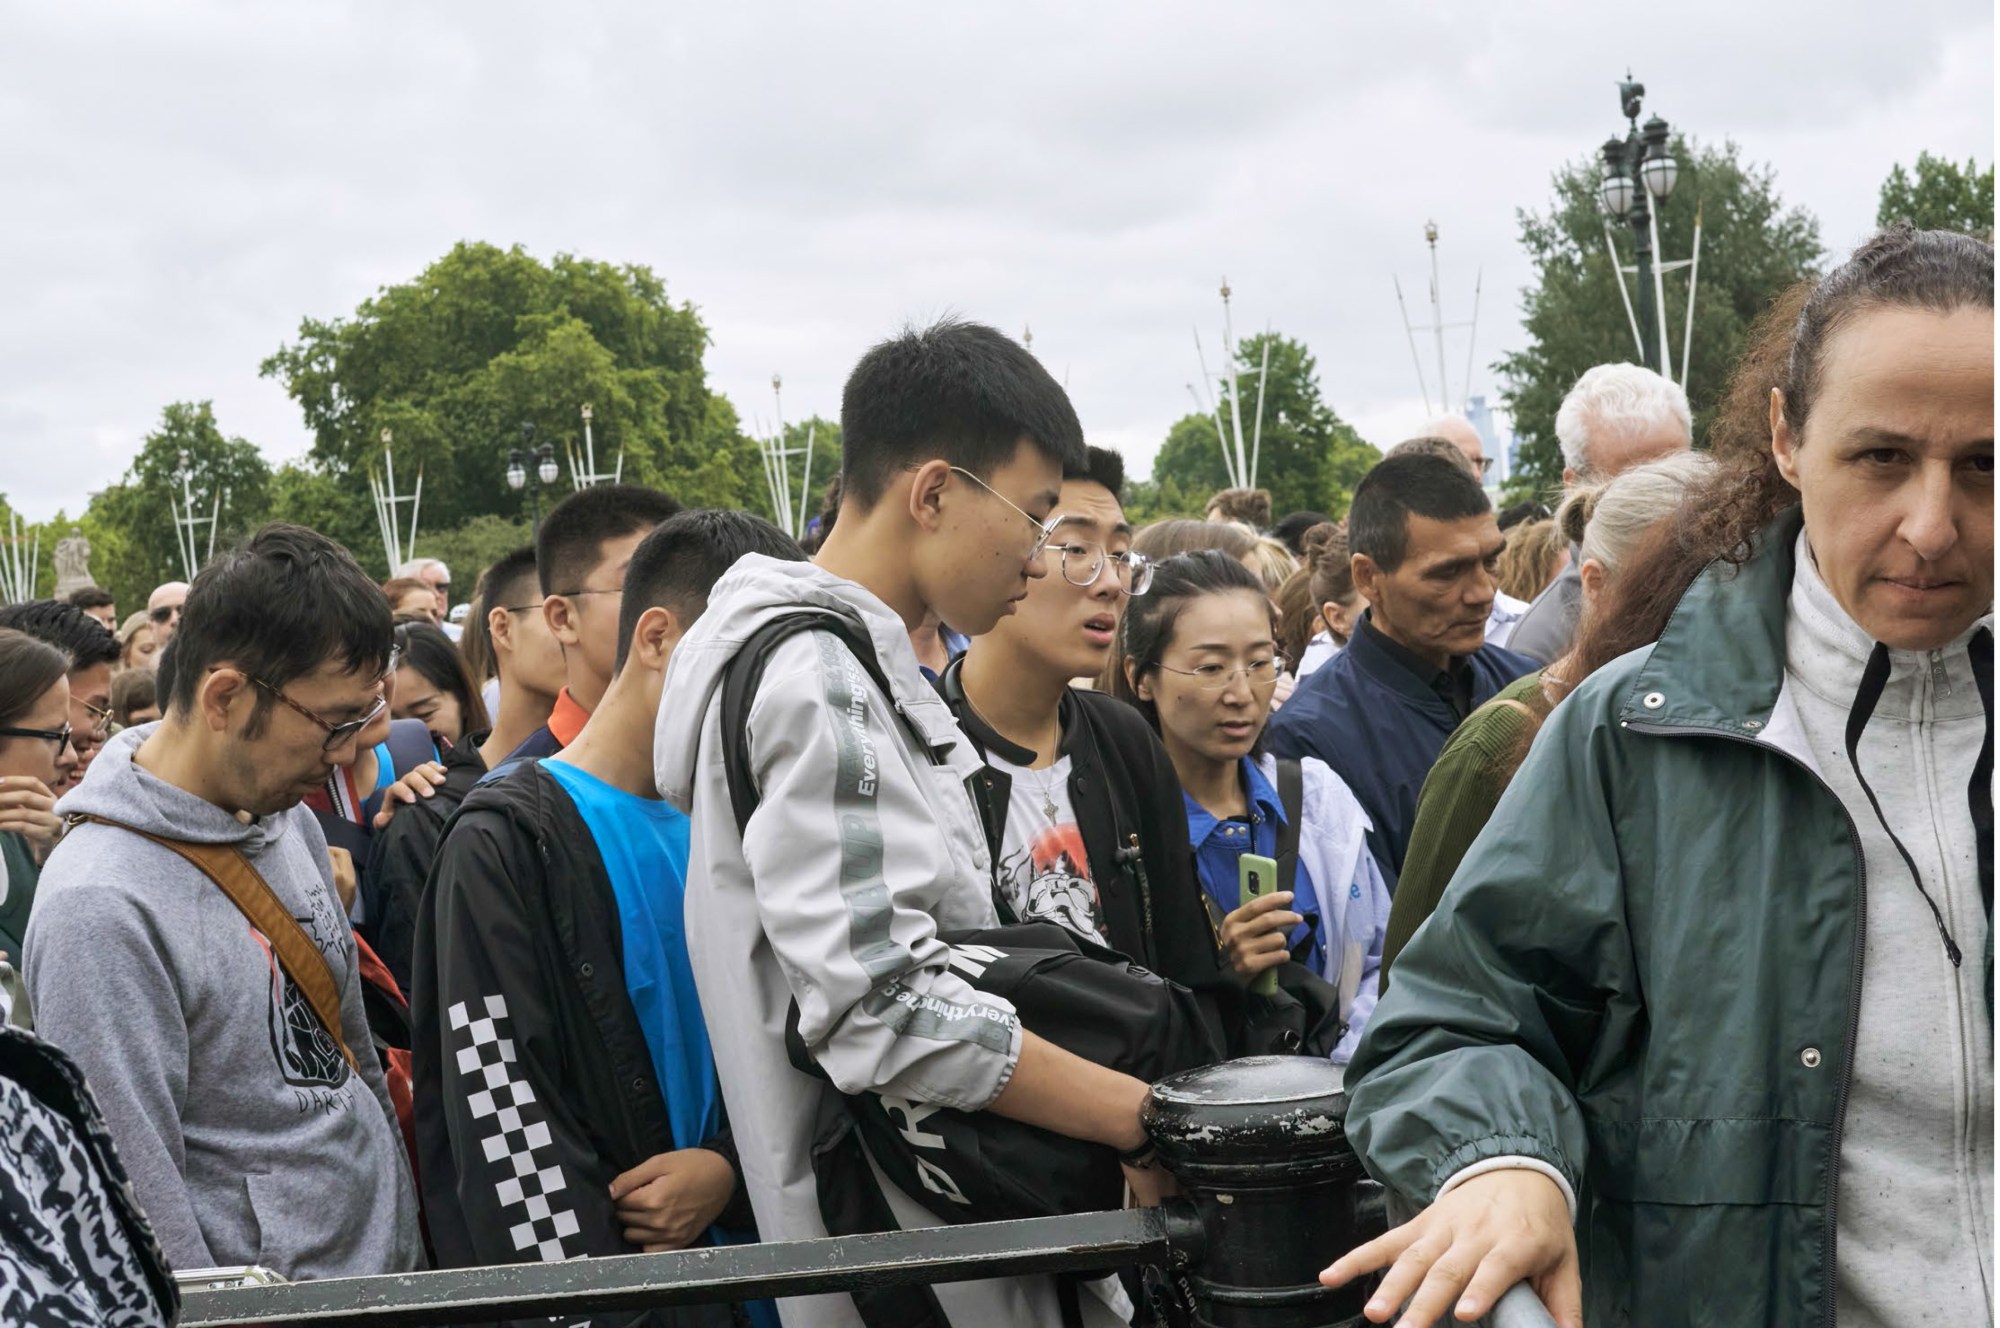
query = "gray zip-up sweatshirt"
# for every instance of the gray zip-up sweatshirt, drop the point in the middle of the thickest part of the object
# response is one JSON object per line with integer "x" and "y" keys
{"x": 248, "y": 1138}
{"x": 860, "y": 851}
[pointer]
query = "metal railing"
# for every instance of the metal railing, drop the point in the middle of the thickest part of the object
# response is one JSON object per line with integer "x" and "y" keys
{"x": 1272, "y": 1192}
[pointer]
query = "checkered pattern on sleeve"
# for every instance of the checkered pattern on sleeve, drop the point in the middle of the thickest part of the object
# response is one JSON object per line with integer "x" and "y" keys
{"x": 501, "y": 1100}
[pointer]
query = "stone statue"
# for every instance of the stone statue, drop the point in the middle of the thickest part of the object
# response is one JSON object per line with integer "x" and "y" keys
{"x": 72, "y": 564}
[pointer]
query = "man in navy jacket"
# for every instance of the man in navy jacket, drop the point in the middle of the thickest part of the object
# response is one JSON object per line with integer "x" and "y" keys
{"x": 1425, "y": 547}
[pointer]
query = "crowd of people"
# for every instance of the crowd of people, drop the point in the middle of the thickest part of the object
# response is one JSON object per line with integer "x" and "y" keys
{"x": 690, "y": 887}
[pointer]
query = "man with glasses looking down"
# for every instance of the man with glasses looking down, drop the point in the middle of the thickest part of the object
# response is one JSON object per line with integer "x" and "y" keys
{"x": 864, "y": 843}
{"x": 1074, "y": 778}
{"x": 232, "y": 1059}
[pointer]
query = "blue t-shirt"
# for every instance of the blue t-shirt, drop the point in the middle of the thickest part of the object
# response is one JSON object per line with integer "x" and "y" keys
{"x": 1219, "y": 843}
{"x": 644, "y": 844}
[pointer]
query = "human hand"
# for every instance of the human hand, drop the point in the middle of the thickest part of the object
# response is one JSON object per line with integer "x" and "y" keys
{"x": 422, "y": 782}
{"x": 1148, "y": 1186}
{"x": 28, "y": 808}
{"x": 1463, "y": 1252}
{"x": 344, "y": 880}
{"x": 668, "y": 1200}
{"x": 1255, "y": 936}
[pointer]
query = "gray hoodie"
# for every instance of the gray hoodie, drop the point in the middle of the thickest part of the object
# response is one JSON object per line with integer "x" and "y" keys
{"x": 859, "y": 852}
{"x": 248, "y": 1138}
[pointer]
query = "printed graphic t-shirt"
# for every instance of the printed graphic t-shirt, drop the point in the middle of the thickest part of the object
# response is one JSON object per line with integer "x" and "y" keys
{"x": 644, "y": 844}
{"x": 1044, "y": 872}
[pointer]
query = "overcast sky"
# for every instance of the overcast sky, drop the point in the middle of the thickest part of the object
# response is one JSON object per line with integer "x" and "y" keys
{"x": 184, "y": 182}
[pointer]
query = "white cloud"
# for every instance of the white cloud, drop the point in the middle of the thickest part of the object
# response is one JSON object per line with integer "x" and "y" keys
{"x": 192, "y": 180}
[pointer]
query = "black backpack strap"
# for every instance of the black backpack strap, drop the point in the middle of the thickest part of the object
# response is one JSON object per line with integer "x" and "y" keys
{"x": 1291, "y": 797}
{"x": 745, "y": 672}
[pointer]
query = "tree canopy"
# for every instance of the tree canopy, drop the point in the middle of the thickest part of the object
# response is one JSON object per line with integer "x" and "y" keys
{"x": 1939, "y": 195}
{"x": 1753, "y": 247}
{"x": 1309, "y": 458}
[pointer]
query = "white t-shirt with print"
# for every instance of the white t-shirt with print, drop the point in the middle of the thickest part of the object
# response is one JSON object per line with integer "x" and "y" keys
{"x": 1043, "y": 870}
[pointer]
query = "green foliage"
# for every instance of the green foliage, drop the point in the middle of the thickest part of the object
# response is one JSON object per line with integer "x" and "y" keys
{"x": 1939, "y": 196}
{"x": 486, "y": 340}
{"x": 472, "y": 548}
{"x": 1752, "y": 248}
{"x": 131, "y": 524}
{"x": 1309, "y": 457}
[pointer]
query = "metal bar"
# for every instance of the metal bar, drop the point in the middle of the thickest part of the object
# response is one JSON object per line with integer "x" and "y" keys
{"x": 416, "y": 504}
{"x": 1665, "y": 368}
{"x": 1694, "y": 277}
{"x": 1215, "y": 413}
{"x": 1092, "y": 1242}
{"x": 805, "y": 482}
{"x": 1416, "y": 360}
{"x": 1257, "y": 439}
{"x": 1472, "y": 338}
{"x": 1437, "y": 327}
{"x": 1618, "y": 274}
{"x": 1243, "y": 479}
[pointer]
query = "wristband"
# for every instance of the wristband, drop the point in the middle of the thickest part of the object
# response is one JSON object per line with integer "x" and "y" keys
{"x": 1141, "y": 1158}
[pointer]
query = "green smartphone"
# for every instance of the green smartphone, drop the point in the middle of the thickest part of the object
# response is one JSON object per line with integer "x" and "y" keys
{"x": 1257, "y": 876}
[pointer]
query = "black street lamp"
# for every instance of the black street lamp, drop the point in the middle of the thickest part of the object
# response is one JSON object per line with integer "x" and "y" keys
{"x": 1639, "y": 172}
{"x": 543, "y": 461}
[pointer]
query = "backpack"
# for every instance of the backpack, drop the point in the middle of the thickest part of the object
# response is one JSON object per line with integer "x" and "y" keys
{"x": 976, "y": 1166}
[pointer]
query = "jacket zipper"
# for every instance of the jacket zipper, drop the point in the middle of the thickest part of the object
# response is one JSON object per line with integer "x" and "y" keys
{"x": 1830, "y": 1242}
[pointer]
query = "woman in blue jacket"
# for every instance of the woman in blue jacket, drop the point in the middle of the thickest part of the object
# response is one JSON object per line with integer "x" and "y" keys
{"x": 1201, "y": 661}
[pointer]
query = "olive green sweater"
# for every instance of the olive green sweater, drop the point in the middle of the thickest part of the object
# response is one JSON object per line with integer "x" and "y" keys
{"x": 1458, "y": 798}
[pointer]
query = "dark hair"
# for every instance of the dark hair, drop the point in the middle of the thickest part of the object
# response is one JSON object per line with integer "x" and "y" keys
{"x": 677, "y": 565}
{"x": 1531, "y": 509}
{"x": 1178, "y": 535}
{"x": 29, "y": 666}
{"x": 957, "y": 391}
{"x": 1332, "y": 568}
{"x": 475, "y": 637}
{"x": 69, "y": 629}
{"x": 1417, "y": 483}
{"x": 431, "y": 653}
{"x": 1899, "y": 268}
{"x": 164, "y": 670}
{"x": 91, "y": 597}
{"x": 1103, "y": 466}
{"x": 1148, "y": 625}
{"x": 284, "y": 604}
{"x": 1250, "y": 506}
{"x": 573, "y": 535}
{"x": 511, "y": 581}
{"x": 134, "y": 689}
{"x": 1291, "y": 529}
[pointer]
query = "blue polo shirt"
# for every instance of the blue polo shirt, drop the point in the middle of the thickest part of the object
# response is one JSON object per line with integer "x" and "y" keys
{"x": 1219, "y": 843}
{"x": 644, "y": 844}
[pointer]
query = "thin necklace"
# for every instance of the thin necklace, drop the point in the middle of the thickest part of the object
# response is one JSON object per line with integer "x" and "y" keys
{"x": 1047, "y": 790}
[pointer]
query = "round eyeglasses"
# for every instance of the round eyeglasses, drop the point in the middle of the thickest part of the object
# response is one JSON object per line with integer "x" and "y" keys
{"x": 1083, "y": 562}
{"x": 1261, "y": 674}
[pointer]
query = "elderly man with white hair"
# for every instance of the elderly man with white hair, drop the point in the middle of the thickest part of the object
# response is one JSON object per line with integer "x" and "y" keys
{"x": 433, "y": 573}
{"x": 1616, "y": 417}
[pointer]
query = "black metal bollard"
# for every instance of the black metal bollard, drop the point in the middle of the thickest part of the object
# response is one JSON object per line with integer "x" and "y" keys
{"x": 1260, "y": 1146}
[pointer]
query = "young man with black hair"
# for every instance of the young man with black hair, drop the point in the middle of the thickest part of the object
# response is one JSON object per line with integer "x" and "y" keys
{"x": 567, "y": 1101}
{"x": 581, "y": 554}
{"x": 99, "y": 603}
{"x": 232, "y": 1059}
{"x": 1074, "y": 779}
{"x": 1425, "y": 553}
{"x": 527, "y": 658}
{"x": 93, "y": 653}
{"x": 864, "y": 844}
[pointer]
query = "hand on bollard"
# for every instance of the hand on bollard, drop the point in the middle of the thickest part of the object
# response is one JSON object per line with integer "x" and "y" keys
{"x": 422, "y": 782}
{"x": 1459, "y": 1255}
{"x": 668, "y": 1200}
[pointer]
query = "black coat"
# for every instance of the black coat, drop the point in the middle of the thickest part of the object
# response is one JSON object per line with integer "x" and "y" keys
{"x": 400, "y": 855}
{"x": 519, "y": 984}
{"x": 1133, "y": 819}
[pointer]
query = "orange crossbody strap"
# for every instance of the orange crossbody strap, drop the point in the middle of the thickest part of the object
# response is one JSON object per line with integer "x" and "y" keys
{"x": 253, "y": 896}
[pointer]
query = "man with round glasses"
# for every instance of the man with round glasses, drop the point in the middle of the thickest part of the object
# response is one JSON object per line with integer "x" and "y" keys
{"x": 235, "y": 1069}
{"x": 1074, "y": 778}
{"x": 93, "y": 652}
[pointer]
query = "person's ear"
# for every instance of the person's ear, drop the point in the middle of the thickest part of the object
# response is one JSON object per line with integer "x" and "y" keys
{"x": 560, "y": 613}
{"x": 1137, "y": 680}
{"x": 222, "y": 691}
{"x": 1570, "y": 477}
{"x": 500, "y": 629}
{"x": 1365, "y": 575}
{"x": 654, "y": 637}
{"x": 1592, "y": 575}
{"x": 926, "y": 496}
{"x": 1784, "y": 444}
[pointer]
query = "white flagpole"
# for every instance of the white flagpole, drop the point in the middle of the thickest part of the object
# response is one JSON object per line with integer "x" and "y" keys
{"x": 1618, "y": 275}
{"x": 1257, "y": 440}
{"x": 1694, "y": 275}
{"x": 1665, "y": 367}
{"x": 1471, "y": 340}
{"x": 1416, "y": 360}
{"x": 1235, "y": 394}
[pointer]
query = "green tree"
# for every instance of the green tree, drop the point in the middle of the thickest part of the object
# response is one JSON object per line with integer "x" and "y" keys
{"x": 1939, "y": 196}
{"x": 1309, "y": 458}
{"x": 485, "y": 340}
{"x": 1752, "y": 248}
{"x": 131, "y": 524}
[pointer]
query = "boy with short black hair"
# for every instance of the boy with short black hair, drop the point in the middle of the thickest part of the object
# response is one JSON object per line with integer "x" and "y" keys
{"x": 567, "y": 1102}
{"x": 581, "y": 554}
{"x": 865, "y": 845}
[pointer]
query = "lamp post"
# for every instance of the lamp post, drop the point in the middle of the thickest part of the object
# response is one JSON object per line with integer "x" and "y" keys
{"x": 1639, "y": 174}
{"x": 541, "y": 460}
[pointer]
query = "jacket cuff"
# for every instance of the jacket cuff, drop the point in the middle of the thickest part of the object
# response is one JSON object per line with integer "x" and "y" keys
{"x": 736, "y": 1215}
{"x": 1512, "y": 1162}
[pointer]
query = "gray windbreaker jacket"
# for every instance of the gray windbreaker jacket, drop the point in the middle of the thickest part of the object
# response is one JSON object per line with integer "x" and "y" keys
{"x": 860, "y": 851}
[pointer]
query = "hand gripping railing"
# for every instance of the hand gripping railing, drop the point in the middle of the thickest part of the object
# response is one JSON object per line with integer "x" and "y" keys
{"x": 1273, "y": 1192}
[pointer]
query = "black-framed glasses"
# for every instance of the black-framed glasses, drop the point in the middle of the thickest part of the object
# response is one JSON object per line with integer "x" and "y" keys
{"x": 164, "y": 612}
{"x": 337, "y": 735}
{"x": 1044, "y": 530}
{"x": 1261, "y": 674}
{"x": 1083, "y": 562}
{"x": 62, "y": 737}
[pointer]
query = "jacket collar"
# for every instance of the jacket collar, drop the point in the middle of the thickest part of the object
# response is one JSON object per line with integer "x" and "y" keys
{"x": 983, "y": 735}
{"x": 1392, "y": 666}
